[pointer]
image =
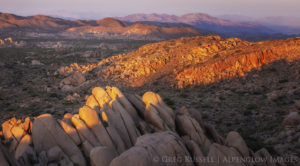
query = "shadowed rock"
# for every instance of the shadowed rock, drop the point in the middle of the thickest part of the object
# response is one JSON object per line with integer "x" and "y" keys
{"x": 102, "y": 156}
{"x": 91, "y": 118}
{"x": 47, "y": 123}
{"x": 113, "y": 130}
{"x": 235, "y": 140}
{"x": 84, "y": 131}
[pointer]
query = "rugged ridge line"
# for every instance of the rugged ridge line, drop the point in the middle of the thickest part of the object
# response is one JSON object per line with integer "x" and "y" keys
{"x": 190, "y": 61}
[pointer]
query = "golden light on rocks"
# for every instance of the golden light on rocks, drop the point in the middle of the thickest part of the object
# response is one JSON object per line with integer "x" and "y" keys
{"x": 104, "y": 117}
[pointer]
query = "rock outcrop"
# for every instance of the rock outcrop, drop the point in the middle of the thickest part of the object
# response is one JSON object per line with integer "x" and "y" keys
{"x": 114, "y": 129}
{"x": 191, "y": 61}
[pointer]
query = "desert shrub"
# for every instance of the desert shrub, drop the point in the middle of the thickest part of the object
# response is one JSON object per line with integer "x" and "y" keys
{"x": 169, "y": 102}
{"x": 183, "y": 95}
{"x": 251, "y": 106}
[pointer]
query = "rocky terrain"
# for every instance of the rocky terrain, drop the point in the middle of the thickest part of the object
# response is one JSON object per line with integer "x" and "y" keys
{"x": 113, "y": 128}
{"x": 193, "y": 61}
{"x": 29, "y": 85}
{"x": 245, "y": 86}
{"x": 242, "y": 98}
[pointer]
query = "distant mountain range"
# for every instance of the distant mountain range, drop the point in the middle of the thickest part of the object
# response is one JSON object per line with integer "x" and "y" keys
{"x": 105, "y": 28}
{"x": 230, "y": 26}
{"x": 203, "y": 21}
{"x": 151, "y": 26}
{"x": 283, "y": 24}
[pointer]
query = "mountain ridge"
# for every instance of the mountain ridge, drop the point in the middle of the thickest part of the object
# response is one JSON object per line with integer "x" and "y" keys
{"x": 200, "y": 20}
{"x": 110, "y": 28}
{"x": 193, "y": 61}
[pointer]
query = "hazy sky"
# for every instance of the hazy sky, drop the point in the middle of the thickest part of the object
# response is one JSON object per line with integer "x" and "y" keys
{"x": 103, "y": 8}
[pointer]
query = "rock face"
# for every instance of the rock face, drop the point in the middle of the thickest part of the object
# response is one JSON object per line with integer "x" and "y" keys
{"x": 113, "y": 129}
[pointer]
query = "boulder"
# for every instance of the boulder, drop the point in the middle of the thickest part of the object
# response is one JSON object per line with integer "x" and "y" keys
{"x": 194, "y": 150}
{"x": 7, "y": 126}
{"x": 155, "y": 99}
{"x": 135, "y": 156}
{"x": 27, "y": 124}
{"x": 92, "y": 103}
{"x": 47, "y": 123}
{"x": 263, "y": 153}
{"x": 128, "y": 121}
{"x": 223, "y": 156}
{"x": 102, "y": 156}
{"x": 152, "y": 150}
{"x": 115, "y": 120}
{"x": 91, "y": 119}
{"x": 115, "y": 93}
{"x": 101, "y": 96}
{"x": 151, "y": 116}
{"x": 70, "y": 130}
{"x": 84, "y": 131}
{"x": 54, "y": 154}
{"x": 197, "y": 116}
{"x": 292, "y": 119}
{"x": 3, "y": 161}
{"x": 36, "y": 63}
{"x": 166, "y": 113}
{"x": 18, "y": 131}
{"x": 235, "y": 140}
{"x": 8, "y": 135}
{"x": 24, "y": 147}
{"x": 212, "y": 134}
{"x": 86, "y": 147}
{"x": 42, "y": 139}
{"x": 186, "y": 125}
{"x": 68, "y": 88}
{"x": 137, "y": 102}
{"x": 117, "y": 139}
{"x": 43, "y": 159}
{"x": 75, "y": 79}
{"x": 68, "y": 119}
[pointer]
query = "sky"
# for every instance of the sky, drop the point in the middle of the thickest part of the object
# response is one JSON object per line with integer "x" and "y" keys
{"x": 95, "y": 9}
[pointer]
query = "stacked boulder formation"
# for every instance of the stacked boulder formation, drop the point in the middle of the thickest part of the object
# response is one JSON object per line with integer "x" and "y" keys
{"x": 116, "y": 129}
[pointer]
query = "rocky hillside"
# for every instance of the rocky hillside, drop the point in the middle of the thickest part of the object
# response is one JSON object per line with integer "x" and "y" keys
{"x": 109, "y": 28}
{"x": 11, "y": 22}
{"x": 126, "y": 129}
{"x": 192, "y": 61}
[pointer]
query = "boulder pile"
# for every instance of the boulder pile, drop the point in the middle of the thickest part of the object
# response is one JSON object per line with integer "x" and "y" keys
{"x": 117, "y": 129}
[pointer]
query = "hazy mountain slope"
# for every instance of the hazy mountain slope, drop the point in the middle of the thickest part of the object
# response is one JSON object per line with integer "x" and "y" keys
{"x": 288, "y": 25}
{"x": 113, "y": 28}
{"x": 202, "y": 21}
{"x": 38, "y": 22}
